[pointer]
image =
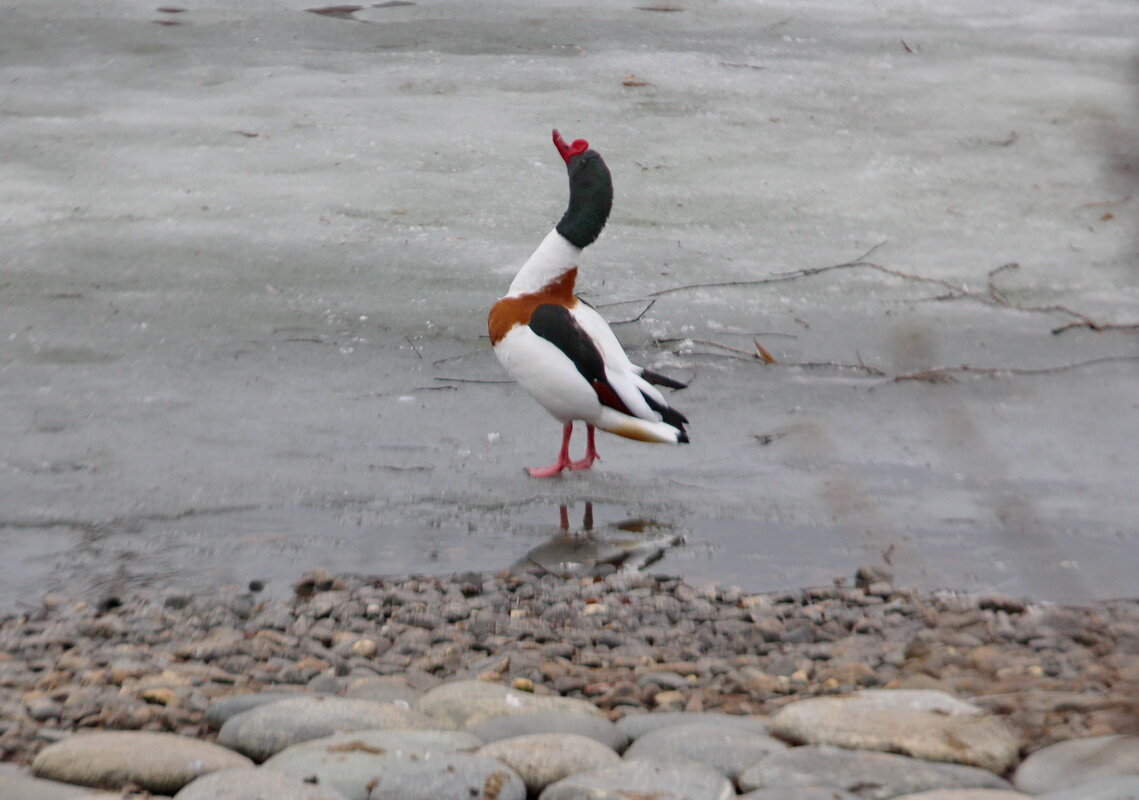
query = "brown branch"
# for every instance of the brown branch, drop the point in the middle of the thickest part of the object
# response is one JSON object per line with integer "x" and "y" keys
{"x": 469, "y": 380}
{"x": 863, "y": 368}
{"x": 777, "y": 278}
{"x": 996, "y": 297}
{"x": 994, "y": 292}
{"x": 1097, "y": 326}
{"x": 934, "y": 375}
{"x": 459, "y": 357}
{"x": 674, "y": 339}
{"x": 637, "y": 318}
{"x": 751, "y": 354}
{"x": 946, "y": 374}
{"x": 992, "y": 295}
{"x": 754, "y": 355}
{"x": 708, "y": 354}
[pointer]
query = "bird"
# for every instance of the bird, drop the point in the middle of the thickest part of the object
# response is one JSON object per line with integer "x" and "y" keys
{"x": 560, "y": 349}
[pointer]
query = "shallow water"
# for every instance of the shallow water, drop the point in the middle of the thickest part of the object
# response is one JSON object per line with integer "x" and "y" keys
{"x": 247, "y": 260}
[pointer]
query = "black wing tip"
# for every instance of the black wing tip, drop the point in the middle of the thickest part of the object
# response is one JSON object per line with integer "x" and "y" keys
{"x": 683, "y": 438}
{"x": 667, "y": 413}
{"x": 657, "y": 379}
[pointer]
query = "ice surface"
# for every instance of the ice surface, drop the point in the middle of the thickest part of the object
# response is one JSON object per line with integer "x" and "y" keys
{"x": 246, "y": 261}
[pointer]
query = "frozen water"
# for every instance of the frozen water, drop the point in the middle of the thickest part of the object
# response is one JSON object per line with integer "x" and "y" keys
{"x": 248, "y": 252}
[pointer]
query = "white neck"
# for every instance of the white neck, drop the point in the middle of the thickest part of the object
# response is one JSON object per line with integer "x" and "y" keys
{"x": 554, "y": 257}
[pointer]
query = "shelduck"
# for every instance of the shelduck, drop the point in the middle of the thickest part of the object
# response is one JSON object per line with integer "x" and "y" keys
{"x": 560, "y": 349}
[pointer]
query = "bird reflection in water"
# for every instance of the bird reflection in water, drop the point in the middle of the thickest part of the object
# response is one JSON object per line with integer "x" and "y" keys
{"x": 628, "y": 545}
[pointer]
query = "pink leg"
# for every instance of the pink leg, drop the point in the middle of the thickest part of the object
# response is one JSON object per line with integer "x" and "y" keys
{"x": 590, "y": 452}
{"x": 563, "y": 457}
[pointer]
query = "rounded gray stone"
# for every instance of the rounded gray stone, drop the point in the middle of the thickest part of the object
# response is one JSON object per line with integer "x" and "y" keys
{"x": 350, "y": 761}
{"x": 383, "y": 689}
{"x": 268, "y": 729}
{"x": 597, "y": 728}
{"x": 676, "y": 780}
{"x": 1125, "y": 788}
{"x": 1078, "y": 761}
{"x": 448, "y": 776}
{"x": 636, "y": 725}
{"x": 800, "y": 793}
{"x": 221, "y": 710}
{"x": 543, "y": 758}
{"x": 875, "y": 776}
{"x": 19, "y": 785}
{"x": 254, "y": 783}
{"x": 965, "y": 794}
{"x": 159, "y": 762}
{"x": 726, "y": 748}
{"x": 459, "y": 704}
{"x": 922, "y": 723}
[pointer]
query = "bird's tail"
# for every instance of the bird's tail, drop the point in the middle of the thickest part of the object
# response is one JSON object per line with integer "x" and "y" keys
{"x": 640, "y": 429}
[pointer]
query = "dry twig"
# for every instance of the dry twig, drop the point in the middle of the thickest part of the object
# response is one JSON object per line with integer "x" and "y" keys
{"x": 1097, "y": 327}
{"x": 469, "y": 380}
{"x": 768, "y": 438}
{"x": 769, "y": 360}
{"x": 946, "y": 374}
{"x": 631, "y": 320}
{"x": 992, "y": 295}
{"x": 777, "y": 278}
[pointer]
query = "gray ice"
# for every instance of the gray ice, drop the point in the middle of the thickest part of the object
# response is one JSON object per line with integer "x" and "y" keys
{"x": 248, "y": 249}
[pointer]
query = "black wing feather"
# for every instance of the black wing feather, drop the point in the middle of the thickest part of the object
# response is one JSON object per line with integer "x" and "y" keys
{"x": 667, "y": 413}
{"x": 556, "y": 324}
{"x": 657, "y": 379}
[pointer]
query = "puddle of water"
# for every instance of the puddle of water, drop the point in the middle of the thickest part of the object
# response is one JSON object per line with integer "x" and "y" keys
{"x": 203, "y": 552}
{"x": 758, "y": 556}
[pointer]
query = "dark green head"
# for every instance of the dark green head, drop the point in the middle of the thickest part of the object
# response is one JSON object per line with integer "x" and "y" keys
{"x": 591, "y": 192}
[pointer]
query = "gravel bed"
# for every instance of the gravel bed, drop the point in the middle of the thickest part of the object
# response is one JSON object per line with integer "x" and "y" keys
{"x": 625, "y": 643}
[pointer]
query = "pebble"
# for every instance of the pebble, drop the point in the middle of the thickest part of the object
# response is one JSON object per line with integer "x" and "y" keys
{"x": 543, "y": 758}
{"x": 1078, "y": 761}
{"x": 727, "y": 749}
{"x": 921, "y": 723}
{"x": 876, "y": 776}
{"x": 449, "y": 776}
{"x": 254, "y": 783}
{"x": 41, "y": 708}
{"x": 595, "y": 727}
{"x": 158, "y": 762}
{"x": 262, "y": 731}
{"x": 349, "y": 762}
{"x": 660, "y": 780}
{"x": 1126, "y": 788}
